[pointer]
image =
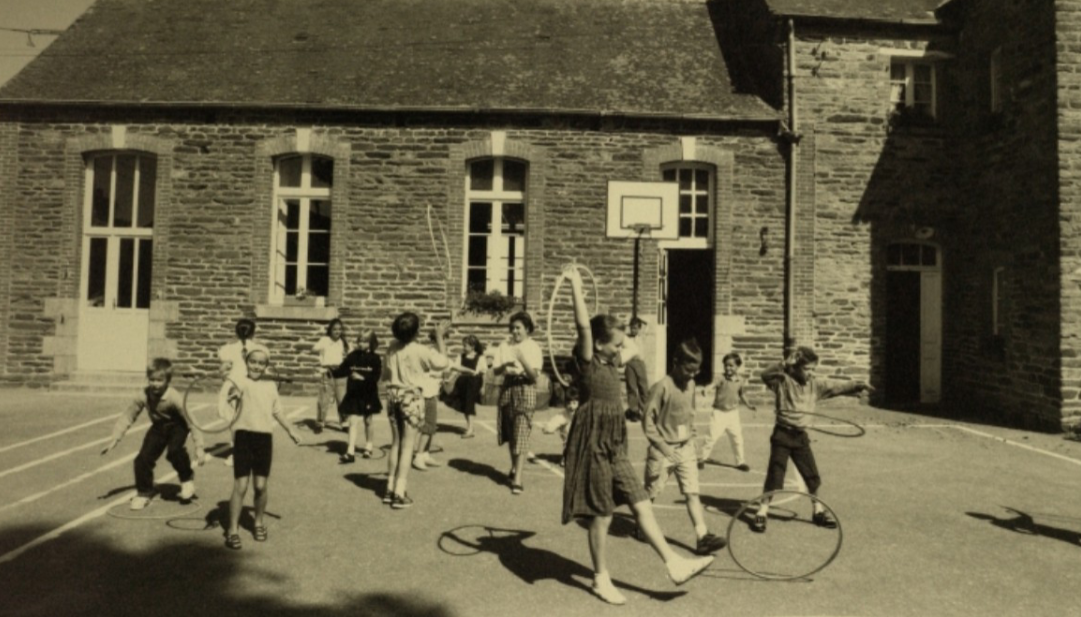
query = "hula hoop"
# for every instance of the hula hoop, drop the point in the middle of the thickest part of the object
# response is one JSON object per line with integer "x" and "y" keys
{"x": 551, "y": 312}
{"x": 202, "y": 525}
{"x": 738, "y": 518}
{"x": 194, "y": 507}
{"x": 826, "y": 431}
{"x": 444, "y": 265}
{"x": 207, "y": 429}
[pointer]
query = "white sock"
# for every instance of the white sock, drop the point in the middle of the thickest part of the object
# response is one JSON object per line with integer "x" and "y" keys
{"x": 701, "y": 530}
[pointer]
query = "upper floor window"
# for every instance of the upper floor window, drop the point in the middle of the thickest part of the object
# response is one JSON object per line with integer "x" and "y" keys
{"x": 912, "y": 87}
{"x": 495, "y": 226}
{"x": 302, "y": 217}
{"x": 695, "y": 201}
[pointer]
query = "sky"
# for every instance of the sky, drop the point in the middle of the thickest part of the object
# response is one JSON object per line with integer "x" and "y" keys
{"x": 15, "y": 53}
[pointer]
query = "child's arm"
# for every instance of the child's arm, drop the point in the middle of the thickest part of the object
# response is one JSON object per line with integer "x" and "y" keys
{"x": 123, "y": 423}
{"x": 276, "y": 411}
{"x": 830, "y": 388}
{"x": 774, "y": 375}
{"x": 196, "y": 434}
{"x": 649, "y": 422}
{"x": 581, "y": 314}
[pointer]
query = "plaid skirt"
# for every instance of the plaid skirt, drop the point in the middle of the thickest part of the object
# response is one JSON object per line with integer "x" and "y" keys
{"x": 514, "y": 421}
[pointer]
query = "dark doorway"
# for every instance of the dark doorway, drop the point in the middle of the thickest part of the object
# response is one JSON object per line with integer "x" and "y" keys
{"x": 903, "y": 337}
{"x": 690, "y": 304}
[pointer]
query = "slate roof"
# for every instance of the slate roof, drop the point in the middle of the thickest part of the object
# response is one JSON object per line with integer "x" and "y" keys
{"x": 906, "y": 11}
{"x": 651, "y": 57}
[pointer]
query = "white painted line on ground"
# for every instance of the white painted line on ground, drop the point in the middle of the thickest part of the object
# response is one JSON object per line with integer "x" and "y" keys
{"x": 25, "y": 500}
{"x": 52, "y": 457}
{"x": 535, "y": 461}
{"x": 58, "y": 433}
{"x": 1016, "y": 444}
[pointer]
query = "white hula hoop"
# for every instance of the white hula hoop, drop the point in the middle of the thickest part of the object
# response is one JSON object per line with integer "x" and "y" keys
{"x": 551, "y": 311}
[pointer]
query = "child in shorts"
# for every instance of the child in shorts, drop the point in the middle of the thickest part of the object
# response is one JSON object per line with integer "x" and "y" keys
{"x": 669, "y": 427}
{"x": 169, "y": 429}
{"x": 253, "y": 446}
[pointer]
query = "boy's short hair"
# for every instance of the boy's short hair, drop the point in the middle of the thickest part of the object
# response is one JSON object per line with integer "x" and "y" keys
{"x": 160, "y": 365}
{"x": 732, "y": 356}
{"x": 405, "y": 327}
{"x": 804, "y": 356}
{"x": 688, "y": 351}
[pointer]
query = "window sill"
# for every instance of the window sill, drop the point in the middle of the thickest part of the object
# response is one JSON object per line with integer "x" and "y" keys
{"x": 459, "y": 318}
{"x": 298, "y": 313}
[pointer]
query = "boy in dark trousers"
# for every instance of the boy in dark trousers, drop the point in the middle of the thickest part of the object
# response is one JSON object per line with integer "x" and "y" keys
{"x": 797, "y": 391}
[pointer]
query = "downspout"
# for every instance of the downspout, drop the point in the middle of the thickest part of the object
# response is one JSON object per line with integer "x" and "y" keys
{"x": 790, "y": 136}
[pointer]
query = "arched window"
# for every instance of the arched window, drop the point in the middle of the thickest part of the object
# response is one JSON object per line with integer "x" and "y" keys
{"x": 302, "y": 220}
{"x": 495, "y": 226}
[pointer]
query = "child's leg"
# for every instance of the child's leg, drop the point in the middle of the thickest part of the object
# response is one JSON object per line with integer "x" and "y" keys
{"x": 647, "y": 522}
{"x": 367, "y": 432}
{"x": 353, "y": 429}
{"x": 716, "y": 427}
{"x": 804, "y": 459}
{"x": 735, "y": 437}
{"x": 260, "y": 486}
{"x": 177, "y": 453}
{"x": 395, "y": 447}
{"x": 155, "y": 442}
{"x": 780, "y": 450}
{"x": 326, "y": 397}
{"x": 408, "y": 437}
{"x": 236, "y": 503}
{"x": 598, "y": 539}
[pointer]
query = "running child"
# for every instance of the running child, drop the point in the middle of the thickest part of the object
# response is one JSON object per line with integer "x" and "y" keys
{"x": 599, "y": 476}
{"x": 797, "y": 391}
{"x": 634, "y": 371}
{"x": 253, "y": 451}
{"x": 361, "y": 399}
{"x": 727, "y": 397}
{"x": 519, "y": 360}
{"x": 169, "y": 429}
{"x": 407, "y": 372}
{"x": 669, "y": 427}
{"x": 234, "y": 366}
{"x": 332, "y": 349}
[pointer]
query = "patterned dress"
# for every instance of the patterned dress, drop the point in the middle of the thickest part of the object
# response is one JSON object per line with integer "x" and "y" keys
{"x": 599, "y": 476}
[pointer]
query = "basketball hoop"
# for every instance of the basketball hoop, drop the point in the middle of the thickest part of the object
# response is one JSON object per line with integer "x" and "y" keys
{"x": 641, "y": 229}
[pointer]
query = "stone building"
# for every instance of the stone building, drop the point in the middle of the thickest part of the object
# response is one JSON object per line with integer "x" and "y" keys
{"x": 889, "y": 181}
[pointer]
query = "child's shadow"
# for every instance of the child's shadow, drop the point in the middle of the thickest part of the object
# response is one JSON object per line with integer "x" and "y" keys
{"x": 368, "y": 481}
{"x": 726, "y": 506}
{"x": 478, "y": 469}
{"x": 533, "y": 564}
{"x": 1025, "y": 524}
{"x": 218, "y": 516}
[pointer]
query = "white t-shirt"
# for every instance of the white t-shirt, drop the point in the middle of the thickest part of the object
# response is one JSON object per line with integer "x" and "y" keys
{"x": 630, "y": 350}
{"x": 530, "y": 350}
{"x": 414, "y": 365}
{"x": 233, "y": 353}
{"x": 331, "y": 353}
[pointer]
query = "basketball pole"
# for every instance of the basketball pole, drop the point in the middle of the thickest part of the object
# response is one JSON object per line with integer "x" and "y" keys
{"x": 634, "y": 285}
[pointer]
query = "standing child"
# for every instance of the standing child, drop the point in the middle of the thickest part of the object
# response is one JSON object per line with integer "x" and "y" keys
{"x": 169, "y": 429}
{"x": 233, "y": 358}
{"x": 361, "y": 399}
{"x": 407, "y": 372}
{"x": 797, "y": 391}
{"x": 727, "y": 397}
{"x": 468, "y": 387}
{"x": 332, "y": 349}
{"x": 634, "y": 372}
{"x": 260, "y": 406}
{"x": 669, "y": 427}
{"x": 518, "y": 360}
{"x": 599, "y": 476}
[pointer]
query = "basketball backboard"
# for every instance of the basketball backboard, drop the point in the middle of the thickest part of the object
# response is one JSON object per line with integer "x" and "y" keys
{"x": 652, "y": 207}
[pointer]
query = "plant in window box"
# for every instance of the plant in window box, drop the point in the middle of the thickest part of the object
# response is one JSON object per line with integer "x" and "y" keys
{"x": 904, "y": 116}
{"x": 491, "y": 303}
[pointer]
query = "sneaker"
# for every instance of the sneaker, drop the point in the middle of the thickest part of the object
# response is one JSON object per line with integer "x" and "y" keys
{"x": 139, "y": 502}
{"x": 228, "y": 461}
{"x": 418, "y": 463}
{"x": 823, "y": 519}
{"x": 401, "y": 501}
{"x": 431, "y": 462}
{"x": 347, "y": 458}
{"x": 709, "y": 544}
{"x": 743, "y": 467}
{"x": 758, "y": 525}
{"x": 681, "y": 570}
{"x": 605, "y": 590}
{"x": 187, "y": 490}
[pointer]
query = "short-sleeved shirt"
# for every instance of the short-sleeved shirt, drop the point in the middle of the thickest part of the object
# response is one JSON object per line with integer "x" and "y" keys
{"x": 331, "y": 353}
{"x": 259, "y": 403}
{"x": 670, "y": 411}
{"x": 411, "y": 366}
{"x": 529, "y": 348}
{"x": 235, "y": 352}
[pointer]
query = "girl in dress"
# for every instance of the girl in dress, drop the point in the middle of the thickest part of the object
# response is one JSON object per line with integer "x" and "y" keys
{"x": 599, "y": 476}
{"x": 468, "y": 387}
{"x": 361, "y": 399}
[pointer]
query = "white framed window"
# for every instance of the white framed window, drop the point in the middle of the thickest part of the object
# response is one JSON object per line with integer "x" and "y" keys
{"x": 495, "y": 226}
{"x": 302, "y": 223}
{"x": 696, "y": 190}
{"x": 998, "y": 291}
{"x": 912, "y": 86}
{"x": 996, "y": 81}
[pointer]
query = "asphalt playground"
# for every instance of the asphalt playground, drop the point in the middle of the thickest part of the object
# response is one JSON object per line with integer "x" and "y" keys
{"x": 938, "y": 517}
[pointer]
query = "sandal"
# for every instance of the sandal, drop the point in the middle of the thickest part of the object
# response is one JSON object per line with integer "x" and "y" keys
{"x": 233, "y": 541}
{"x": 259, "y": 533}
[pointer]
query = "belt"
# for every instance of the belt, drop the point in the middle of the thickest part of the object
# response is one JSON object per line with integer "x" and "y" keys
{"x": 789, "y": 429}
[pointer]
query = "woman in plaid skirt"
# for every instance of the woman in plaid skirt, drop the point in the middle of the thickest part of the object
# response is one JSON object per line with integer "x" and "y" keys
{"x": 599, "y": 476}
{"x": 518, "y": 360}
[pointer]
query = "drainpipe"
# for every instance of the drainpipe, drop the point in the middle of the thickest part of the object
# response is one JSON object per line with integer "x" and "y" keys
{"x": 790, "y": 136}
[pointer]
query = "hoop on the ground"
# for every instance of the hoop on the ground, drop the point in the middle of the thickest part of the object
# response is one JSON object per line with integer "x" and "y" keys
{"x": 216, "y": 420}
{"x": 551, "y": 313}
{"x": 794, "y": 544}
{"x": 192, "y": 523}
{"x": 116, "y": 510}
{"x": 848, "y": 429}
